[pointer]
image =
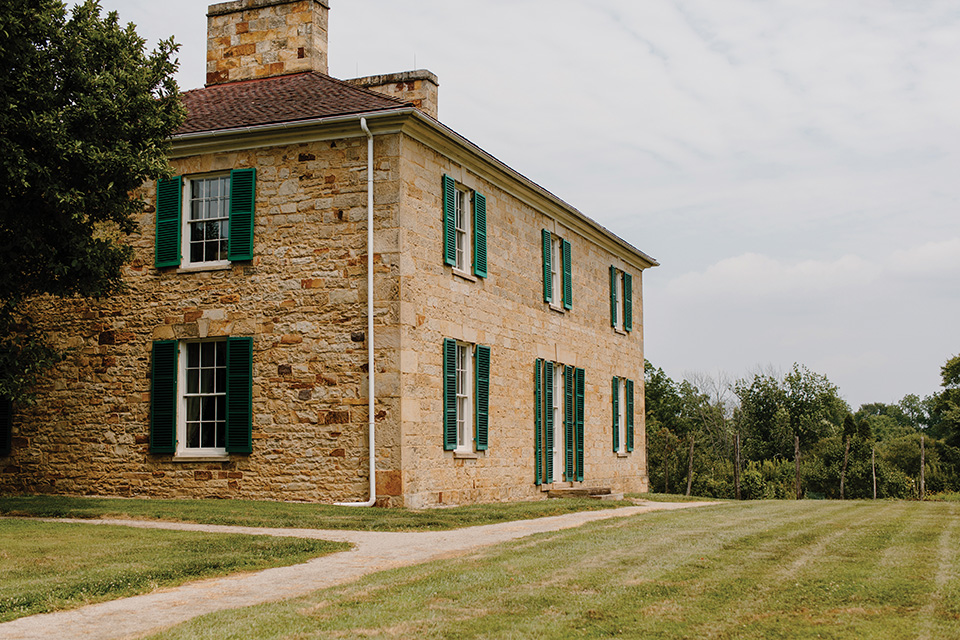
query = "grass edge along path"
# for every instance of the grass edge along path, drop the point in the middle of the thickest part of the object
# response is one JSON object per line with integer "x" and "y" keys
{"x": 751, "y": 571}
{"x": 298, "y": 515}
{"x": 53, "y": 566}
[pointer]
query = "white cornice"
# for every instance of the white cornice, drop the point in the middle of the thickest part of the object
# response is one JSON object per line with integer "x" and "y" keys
{"x": 433, "y": 134}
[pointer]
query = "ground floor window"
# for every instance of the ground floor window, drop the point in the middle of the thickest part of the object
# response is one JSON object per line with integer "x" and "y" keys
{"x": 621, "y": 391}
{"x": 558, "y": 422}
{"x": 201, "y": 397}
{"x": 466, "y": 396}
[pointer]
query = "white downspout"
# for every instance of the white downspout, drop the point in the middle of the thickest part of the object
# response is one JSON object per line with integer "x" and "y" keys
{"x": 370, "y": 368}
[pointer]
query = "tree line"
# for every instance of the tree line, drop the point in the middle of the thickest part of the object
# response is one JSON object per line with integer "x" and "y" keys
{"x": 774, "y": 435}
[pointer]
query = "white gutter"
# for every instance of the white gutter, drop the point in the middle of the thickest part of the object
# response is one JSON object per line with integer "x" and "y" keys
{"x": 370, "y": 368}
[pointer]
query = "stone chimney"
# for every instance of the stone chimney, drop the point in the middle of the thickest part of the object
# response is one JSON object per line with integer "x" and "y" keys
{"x": 419, "y": 87}
{"x": 261, "y": 38}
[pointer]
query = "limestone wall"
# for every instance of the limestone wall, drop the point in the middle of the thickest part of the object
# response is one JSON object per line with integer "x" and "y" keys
{"x": 505, "y": 311}
{"x": 302, "y": 298}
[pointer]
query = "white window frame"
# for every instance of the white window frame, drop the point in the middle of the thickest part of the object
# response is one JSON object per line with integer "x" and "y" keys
{"x": 622, "y": 417}
{"x": 466, "y": 441}
{"x": 463, "y": 223}
{"x": 559, "y": 462}
{"x": 182, "y": 398}
{"x": 187, "y": 220}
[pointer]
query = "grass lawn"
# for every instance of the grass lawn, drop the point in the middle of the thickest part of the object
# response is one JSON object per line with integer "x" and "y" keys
{"x": 46, "y": 566}
{"x": 757, "y": 570}
{"x": 292, "y": 514}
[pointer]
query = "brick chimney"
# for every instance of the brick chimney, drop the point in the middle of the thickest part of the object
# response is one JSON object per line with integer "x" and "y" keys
{"x": 418, "y": 87}
{"x": 260, "y": 38}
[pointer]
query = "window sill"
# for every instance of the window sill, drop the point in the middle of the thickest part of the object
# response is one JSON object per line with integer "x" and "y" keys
{"x": 620, "y": 331}
{"x": 465, "y": 455}
{"x": 623, "y": 454}
{"x": 203, "y": 458}
{"x": 205, "y": 267}
{"x": 466, "y": 275}
{"x": 556, "y": 307}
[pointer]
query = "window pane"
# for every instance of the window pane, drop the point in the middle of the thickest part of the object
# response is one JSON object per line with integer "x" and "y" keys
{"x": 193, "y": 409}
{"x": 208, "y": 408}
{"x": 196, "y": 252}
{"x": 207, "y": 434}
{"x": 193, "y": 435}
{"x": 193, "y": 381}
{"x": 207, "y": 380}
{"x": 207, "y": 354}
{"x": 193, "y": 354}
{"x": 221, "y": 434}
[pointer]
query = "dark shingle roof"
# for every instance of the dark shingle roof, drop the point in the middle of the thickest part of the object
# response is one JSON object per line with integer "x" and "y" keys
{"x": 289, "y": 98}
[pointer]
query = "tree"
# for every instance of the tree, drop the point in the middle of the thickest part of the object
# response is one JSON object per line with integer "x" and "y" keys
{"x": 85, "y": 117}
{"x": 774, "y": 410}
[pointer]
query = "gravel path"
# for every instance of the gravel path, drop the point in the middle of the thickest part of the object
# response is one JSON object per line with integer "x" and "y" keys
{"x": 373, "y": 551}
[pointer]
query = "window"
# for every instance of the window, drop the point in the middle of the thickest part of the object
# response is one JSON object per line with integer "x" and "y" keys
{"x": 557, "y": 271}
{"x": 464, "y": 229}
{"x": 205, "y": 228}
{"x": 201, "y": 397}
{"x": 218, "y": 225}
{"x": 622, "y": 395}
{"x": 558, "y": 422}
{"x": 621, "y": 300}
{"x": 466, "y": 396}
{"x": 203, "y": 423}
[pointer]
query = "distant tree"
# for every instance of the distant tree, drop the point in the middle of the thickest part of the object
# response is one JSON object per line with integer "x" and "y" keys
{"x": 945, "y": 413}
{"x": 775, "y": 409}
{"x": 85, "y": 117}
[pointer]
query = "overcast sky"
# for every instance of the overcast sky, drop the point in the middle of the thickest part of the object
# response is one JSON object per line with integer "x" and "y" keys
{"x": 794, "y": 165}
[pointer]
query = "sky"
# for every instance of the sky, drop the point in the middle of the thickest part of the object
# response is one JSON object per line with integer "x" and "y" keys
{"x": 794, "y": 165}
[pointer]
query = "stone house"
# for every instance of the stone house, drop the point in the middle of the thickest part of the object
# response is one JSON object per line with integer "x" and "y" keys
{"x": 504, "y": 327}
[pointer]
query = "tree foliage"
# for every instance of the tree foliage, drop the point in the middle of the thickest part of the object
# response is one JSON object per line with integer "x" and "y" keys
{"x": 771, "y": 409}
{"x": 85, "y": 117}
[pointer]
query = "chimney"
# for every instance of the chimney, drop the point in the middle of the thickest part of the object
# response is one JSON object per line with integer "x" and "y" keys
{"x": 261, "y": 38}
{"x": 418, "y": 87}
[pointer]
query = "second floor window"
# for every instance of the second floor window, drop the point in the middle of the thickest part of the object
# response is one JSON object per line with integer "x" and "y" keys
{"x": 206, "y": 229}
{"x": 557, "y": 271}
{"x": 464, "y": 229}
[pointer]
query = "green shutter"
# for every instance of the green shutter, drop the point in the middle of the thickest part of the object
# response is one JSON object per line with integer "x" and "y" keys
{"x": 449, "y": 223}
{"x": 483, "y": 397}
{"x": 567, "y": 276}
{"x": 548, "y": 421}
{"x": 169, "y": 204}
{"x": 615, "y": 387}
{"x": 449, "y": 394}
{"x": 569, "y": 424}
{"x": 613, "y": 296}
{"x": 242, "y": 204}
{"x": 627, "y": 301}
{"x": 629, "y": 392}
{"x": 579, "y": 395}
{"x": 6, "y": 426}
{"x": 537, "y": 421}
{"x": 547, "y": 289}
{"x": 240, "y": 395}
{"x": 479, "y": 235}
{"x": 163, "y": 397}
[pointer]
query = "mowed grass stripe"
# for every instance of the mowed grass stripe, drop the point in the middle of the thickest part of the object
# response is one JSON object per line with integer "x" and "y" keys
{"x": 46, "y": 566}
{"x": 732, "y": 571}
{"x": 799, "y": 572}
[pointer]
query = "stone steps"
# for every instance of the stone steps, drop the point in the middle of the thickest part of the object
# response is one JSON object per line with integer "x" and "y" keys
{"x": 597, "y": 493}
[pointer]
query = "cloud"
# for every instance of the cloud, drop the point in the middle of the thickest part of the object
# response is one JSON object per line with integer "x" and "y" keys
{"x": 751, "y": 275}
{"x": 930, "y": 259}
